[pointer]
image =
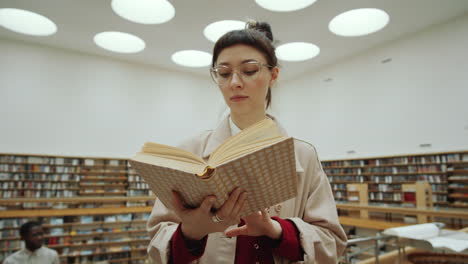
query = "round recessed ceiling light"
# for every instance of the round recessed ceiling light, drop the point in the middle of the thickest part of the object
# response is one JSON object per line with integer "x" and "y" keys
{"x": 359, "y": 22}
{"x": 297, "y": 51}
{"x": 26, "y": 22}
{"x": 144, "y": 11}
{"x": 284, "y": 6}
{"x": 192, "y": 58}
{"x": 119, "y": 42}
{"x": 217, "y": 29}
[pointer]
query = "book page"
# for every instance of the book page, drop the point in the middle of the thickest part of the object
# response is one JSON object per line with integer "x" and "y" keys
{"x": 450, "y": 243}
{"x": 260, "y": 134}
{"x": 244, "y": 149}
{"x": 171, "y": 163}
{"x": 171, "y": 152}
{"x": 421, "y": 231}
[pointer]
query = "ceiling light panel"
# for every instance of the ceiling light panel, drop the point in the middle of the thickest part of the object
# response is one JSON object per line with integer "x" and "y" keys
{"x": 217, "y": 29}
{"x": 283, "y": 5}
{"x": 359, "y": 22}
{"x": 297, "y": 51}
{"x": 119, "y": 42}
{"x": 26, "y": 22}
{"x": 144, "y": 11}
{"x": 192, "y": 58}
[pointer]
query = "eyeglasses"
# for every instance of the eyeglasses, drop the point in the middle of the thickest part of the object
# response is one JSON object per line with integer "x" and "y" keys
{"x": 248, "y": 71}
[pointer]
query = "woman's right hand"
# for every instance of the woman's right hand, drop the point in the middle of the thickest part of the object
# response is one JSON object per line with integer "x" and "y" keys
{"x": 197, "y": 223}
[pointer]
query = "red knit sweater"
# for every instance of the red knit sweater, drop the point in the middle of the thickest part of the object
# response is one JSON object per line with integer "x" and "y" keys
{"x": 249, "y": 249}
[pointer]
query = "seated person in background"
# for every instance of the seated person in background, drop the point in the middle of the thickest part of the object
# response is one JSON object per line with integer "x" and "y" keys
{"x": 33, "y": 253}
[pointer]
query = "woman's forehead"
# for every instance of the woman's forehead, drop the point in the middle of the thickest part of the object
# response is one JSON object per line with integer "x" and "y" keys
{"x": 238, "y": 54}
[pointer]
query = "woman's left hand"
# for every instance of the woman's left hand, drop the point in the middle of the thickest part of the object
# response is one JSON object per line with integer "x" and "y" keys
{"x": 258, "y": 224}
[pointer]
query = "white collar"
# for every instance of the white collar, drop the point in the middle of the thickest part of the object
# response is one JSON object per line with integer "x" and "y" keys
{"x": 234, "y": 128}
{"x": 35, "y": 252}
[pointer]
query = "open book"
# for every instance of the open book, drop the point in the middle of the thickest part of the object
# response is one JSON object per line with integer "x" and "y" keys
{"x": 259, "y": 160}
{"x": 431, "y": 234}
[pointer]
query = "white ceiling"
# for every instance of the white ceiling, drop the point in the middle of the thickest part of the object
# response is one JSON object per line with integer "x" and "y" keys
{"x": 79, "y": 20}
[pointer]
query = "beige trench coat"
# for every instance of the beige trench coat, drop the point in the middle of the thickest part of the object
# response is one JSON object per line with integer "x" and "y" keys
{"x": 313, "y": 211}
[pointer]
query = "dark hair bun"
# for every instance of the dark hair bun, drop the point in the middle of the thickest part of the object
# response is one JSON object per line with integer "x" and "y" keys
{"x": 262, "y": 27}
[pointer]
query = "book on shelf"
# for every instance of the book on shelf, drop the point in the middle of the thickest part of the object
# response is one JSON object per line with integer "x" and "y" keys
{"x": 431, "y": 236}
{"x": 259, "y": 160}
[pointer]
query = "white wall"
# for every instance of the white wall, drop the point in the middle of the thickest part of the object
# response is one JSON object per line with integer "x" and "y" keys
{"x": 421, "y": 96}
{"x": 60, "y": 102}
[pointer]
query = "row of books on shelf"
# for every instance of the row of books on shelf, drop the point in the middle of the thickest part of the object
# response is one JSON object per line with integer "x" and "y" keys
{"x": 38, "y": 160}
{"x": 38, "y": 177}
{"x": 113, "y": 218}
{"x": 393, "y": 187}
{"x": 76, "y": 221}
{"x": 37, "y": 185}
{"x": 387, "y": 170}
{"x": 390, "y": 178}
{"x": 138, "y": 185}
{"x": 338, "y": 186}
{"x": 106, "y": 190}
{"x": 384, "y": 187}
{"x": 107, "y": 178}
{"x": 347, "y": 178}
{"x": 77, "y": 241}
{"x": 397, "y": 188}
{"x": 458, "y": 185}
{"x": 99, "y": 184}
{"x": 409, "y": 178}
{"x": 439, "y": 198}
{"x": 112, "y": 251}
{"x": 8, "y": 158}
{"x": 459, "y": 177}
{"x": 8, "y": 194}
{"x": 55, "y": 205}
{"x": 134, "y": 254}
{"x": 39, "y": 168}
{"x": 439, "y": 188}
{"x": 125, "y": 253}
{"x": 460, "y": 204}
{"x": 57, "y": 169}
{"x": 385, "y": 196}
{"x": 37, "y": 194}
{"x": 339, "y": 194}
{"x": 442, "y": 159}
{"x": 134, "y": 178}
{"x": 139, "y": 193}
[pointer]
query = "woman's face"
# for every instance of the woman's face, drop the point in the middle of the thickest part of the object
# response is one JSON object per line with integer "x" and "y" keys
{"x": 244, "y": 90}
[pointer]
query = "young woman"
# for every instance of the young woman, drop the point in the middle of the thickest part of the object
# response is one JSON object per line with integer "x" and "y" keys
{"x": 304, "y": 228}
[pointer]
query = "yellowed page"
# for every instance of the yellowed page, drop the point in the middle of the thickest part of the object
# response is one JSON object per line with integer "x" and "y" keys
{"x": 244, "y": 149}
{"x": 169, "y": 151}
{"x": 260, "y": 134}
{"x": 170, "y": 163}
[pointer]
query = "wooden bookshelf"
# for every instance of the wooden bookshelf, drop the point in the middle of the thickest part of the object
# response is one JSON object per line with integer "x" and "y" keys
{"x": 445, "y": 172}
{"x": 358, "y": 193}
{"x": 93, "y": 208}
{"x": 78, "y": 200}
{"x": 434, "y": 212}
{"x": 417, "y": 195}
{"x": 458, "y": 184}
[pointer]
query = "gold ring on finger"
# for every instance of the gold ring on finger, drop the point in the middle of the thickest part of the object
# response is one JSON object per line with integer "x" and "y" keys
{"x": 215, "y": 218}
